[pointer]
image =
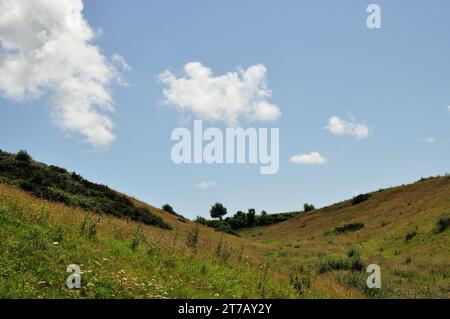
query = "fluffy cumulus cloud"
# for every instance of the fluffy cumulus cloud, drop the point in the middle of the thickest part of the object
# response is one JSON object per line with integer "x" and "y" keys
{"x": 312, "y": 158}
{"x": 228, "y": 97}
{"x": 206, "y": 184}
{"x": 47, "y": 48}
{"x": 338, "y": 126}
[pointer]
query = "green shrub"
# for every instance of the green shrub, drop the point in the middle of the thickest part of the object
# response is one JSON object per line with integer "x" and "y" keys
{"x": 56, "y": 184}
{"x": 169, "y": 209}
{"x": 308, "y": 207}
{"x": 360, "y": 198}
{"x": 23, "y": 156}
{"x": 352, "y": 252}
{"x": 201, "y": 220}
{"x": 329, "y": 264}
{"x": 410, "y": 235}
{"x": 442, "y": 224}
{"x": 348, "y": 228}
{"x": 226, "y": 228}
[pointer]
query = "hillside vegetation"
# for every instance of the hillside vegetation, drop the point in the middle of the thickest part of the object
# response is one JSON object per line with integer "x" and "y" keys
{"x": 322, "y": 253}
{"x": 56, "y": 184}
{"x": 401, "y": 229}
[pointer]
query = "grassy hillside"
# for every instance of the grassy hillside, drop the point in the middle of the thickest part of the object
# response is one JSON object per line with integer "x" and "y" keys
{"x": 56, "y": 184}
{"x": 119, "y": 258}
{"x": 318, "y": 254}
{"x": 404, "y": 229}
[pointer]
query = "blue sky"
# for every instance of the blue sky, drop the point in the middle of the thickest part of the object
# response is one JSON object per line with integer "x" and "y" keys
{"x": 321, "y": 61}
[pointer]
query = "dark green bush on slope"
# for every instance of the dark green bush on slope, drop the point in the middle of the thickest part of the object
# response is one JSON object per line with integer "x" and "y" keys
{"x": 442, "y": 224}
{"x": 348, "y": 228}
{"x": 360, "y": 198}
{"x": 56, "y": 184}
{"x": 308, "y": 207}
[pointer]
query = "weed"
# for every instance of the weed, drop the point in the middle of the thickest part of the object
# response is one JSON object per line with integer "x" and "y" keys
{"x": 138, "y": 237}
{"x": 193, "y": 238}
{"x": 300, "y": 284}
{"x": 223, "y": 251}
{"x": 262, "y": 284}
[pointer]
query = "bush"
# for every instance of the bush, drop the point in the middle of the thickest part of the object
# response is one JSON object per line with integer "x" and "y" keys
{"x": 56, "y": 184}
{"x": 348, "y": 228}
{"x": 442, "y": 224}
{"x": 352, "y": 252}
{"x": 410, "y": 235}
{"x": 226, "y": 228}
{"x": 308, "y": 207}
{"x": 201, "y": 220}
{"x": 354, "y": 264}
{"x": 23, "y": 156}
{"x": 360, "y": 198}
{"x": 169, "y": 209}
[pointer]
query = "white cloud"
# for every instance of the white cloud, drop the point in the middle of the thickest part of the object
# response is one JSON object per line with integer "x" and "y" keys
{"x": 338, "y": 126}
{"x": 308, "y": 159}
{"x": 206, "y": 184}
{"x": 225, "y": 98}
{"x": 48, "y": 48}
{"x": 448, "y": 108}
{"x": 429, "y": 140}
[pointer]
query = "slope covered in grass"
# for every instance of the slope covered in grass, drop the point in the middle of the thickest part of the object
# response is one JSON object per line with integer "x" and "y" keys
{"x": 56, "y": 184}
{"x": 402, "y": 229}
{"x": 318, "y": 254}
{"x": 118, "y": 258}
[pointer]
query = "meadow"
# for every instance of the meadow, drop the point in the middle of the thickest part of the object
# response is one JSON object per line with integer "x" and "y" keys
{"x": 322, "y": 253}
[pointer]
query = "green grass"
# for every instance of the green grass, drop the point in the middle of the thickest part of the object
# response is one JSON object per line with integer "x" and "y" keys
{"x": 37, "y": 247}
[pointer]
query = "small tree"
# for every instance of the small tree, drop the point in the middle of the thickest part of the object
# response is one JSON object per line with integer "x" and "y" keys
{"x": 218, "y": 211}
{"x": 308, "y": 207}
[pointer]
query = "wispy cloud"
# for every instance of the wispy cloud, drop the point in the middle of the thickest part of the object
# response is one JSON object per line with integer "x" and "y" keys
{"x": 228, "y": 97}
{"x": 48, "y": 48}
{"x": 312, "y": 158}
{"x": 428, "y": 140}
{"x": 206, "y": 184}
{"x": 338, "y": 126}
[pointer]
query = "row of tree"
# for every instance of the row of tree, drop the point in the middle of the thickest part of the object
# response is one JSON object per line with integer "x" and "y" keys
{"x": 240, "y": 219}
{"x": 244, "y": 220}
